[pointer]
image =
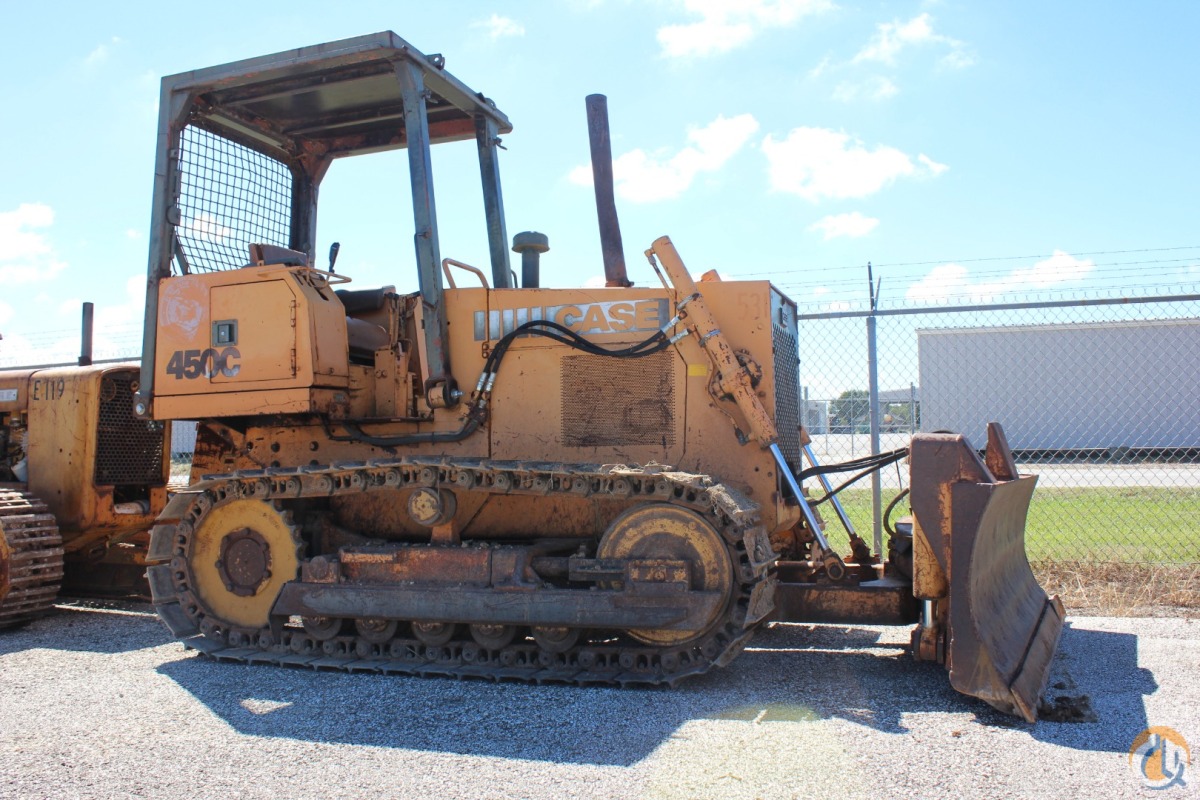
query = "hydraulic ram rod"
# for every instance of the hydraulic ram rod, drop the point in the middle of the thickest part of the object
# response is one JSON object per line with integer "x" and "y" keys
{"x": 837, "y": 504}
{"x": 733, "y": 379}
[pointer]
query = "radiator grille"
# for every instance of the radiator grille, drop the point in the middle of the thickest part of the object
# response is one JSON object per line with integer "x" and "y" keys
{"x": 129, "y": 451}
{"x": 610, "y": 401}
{"x": 787, "y": 393}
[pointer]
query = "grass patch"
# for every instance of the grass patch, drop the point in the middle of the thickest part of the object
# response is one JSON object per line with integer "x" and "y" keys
{"x": 1121, "y": 525}
{"x": 1129, "y": 551}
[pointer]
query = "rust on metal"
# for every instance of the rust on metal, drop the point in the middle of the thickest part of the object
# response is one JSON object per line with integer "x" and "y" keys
{"x": 994, "y": 628}
{"x": 602, "y": 179}
{"x": 887, "y": 601}
{"x": 34, "y": 561}
{"x": 527, "y": 527}
{"x": 245, "y": 561}
{"x": 5, "y": 564}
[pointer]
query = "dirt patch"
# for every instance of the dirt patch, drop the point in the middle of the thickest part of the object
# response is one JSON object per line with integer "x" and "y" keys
{"x": 1067, "y": 708}
{"x": 1123, "y": 590}
{"x": 1062, "y": 704}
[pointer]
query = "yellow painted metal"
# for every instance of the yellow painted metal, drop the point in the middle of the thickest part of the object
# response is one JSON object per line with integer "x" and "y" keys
{"x": 280, "y": 401}
{"x": 660, "y": 531}
{"x": 992, "y": 625}
{"x": 733, "y": 379}
{"x": 285, "y": 330}
{"x": 61, "y": 406}
{"x": 530, "y": 386}
{"x": 283, "y": 548}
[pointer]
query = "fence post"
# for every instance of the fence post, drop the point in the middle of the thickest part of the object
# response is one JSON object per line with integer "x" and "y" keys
{"x": 873, "y": 399}
{"x": 912, "y": 408}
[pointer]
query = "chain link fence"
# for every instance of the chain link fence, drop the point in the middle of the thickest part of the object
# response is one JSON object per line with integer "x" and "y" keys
{"x": 62, "y": 348}
{"x": 1100, "y": 398}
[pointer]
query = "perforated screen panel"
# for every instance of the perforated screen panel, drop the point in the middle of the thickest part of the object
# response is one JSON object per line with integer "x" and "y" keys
{"x": 610, "y": 401}
{"x": 129, "y": 451}
{"x": 787, "y": 393}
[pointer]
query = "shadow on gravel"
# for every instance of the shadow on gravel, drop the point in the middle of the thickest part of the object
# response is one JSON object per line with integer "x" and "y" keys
{"x": 1101, "y": 668}
{"x": 89, "y": 626}
{"x": 792, "y": 673}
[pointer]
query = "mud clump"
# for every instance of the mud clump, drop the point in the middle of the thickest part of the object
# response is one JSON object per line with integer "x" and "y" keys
{"x": 1067, "y": 708}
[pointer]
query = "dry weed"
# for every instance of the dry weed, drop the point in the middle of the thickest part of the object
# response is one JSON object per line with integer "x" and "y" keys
{"x": 1123, "y": 590}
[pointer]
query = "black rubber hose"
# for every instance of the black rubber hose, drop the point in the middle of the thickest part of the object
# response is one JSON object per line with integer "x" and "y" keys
{"x": 896, "y": 456}
{"x": 476, "y": 414}
{"x": 887, "y": 512}
{"x": 471, "y": 425}
{"x": 875, "y": 461}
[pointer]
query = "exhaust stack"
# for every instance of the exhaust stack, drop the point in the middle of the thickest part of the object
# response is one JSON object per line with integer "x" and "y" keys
{"x": 85, "y": 344}
{"x": 606, "y": 205}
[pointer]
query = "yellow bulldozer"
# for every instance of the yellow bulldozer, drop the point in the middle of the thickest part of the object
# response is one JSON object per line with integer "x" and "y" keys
{"x": 480, "y": 478}
{"x": 81, "y": 483}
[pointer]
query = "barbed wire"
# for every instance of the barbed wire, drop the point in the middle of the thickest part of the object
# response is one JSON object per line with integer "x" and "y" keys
{"x": 860, "y": 268}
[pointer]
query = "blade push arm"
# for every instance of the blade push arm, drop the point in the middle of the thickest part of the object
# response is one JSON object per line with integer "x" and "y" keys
{"x": 733, "y": 380}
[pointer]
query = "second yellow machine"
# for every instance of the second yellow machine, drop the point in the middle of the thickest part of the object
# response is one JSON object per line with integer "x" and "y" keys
{"x": 578, "y": 485}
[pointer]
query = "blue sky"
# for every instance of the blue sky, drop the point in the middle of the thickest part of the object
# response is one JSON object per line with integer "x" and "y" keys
{"x": 792, "y": 139}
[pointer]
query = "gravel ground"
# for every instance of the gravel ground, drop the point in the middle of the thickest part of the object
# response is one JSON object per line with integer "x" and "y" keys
{"x": 100, "y": 703}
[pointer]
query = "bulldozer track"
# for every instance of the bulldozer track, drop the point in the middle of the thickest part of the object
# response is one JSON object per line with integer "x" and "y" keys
{"x": 608, "y": 658}
{"x": 36, "y": 557}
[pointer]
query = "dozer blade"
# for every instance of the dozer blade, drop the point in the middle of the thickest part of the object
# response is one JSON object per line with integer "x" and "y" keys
{"x": 987, "y": 618}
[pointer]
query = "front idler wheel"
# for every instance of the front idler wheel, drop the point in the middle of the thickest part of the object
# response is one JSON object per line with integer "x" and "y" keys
{"x": 662, "y": 531}
{"x": 242, "y": 553}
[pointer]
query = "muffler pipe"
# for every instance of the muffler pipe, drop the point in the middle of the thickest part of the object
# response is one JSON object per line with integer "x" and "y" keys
{"x": 606, "y": 204}
{"x": 85, "y": 345}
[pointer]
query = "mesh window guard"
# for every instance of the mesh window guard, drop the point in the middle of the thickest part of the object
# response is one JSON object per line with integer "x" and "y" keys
{"x": 231, "y": 197}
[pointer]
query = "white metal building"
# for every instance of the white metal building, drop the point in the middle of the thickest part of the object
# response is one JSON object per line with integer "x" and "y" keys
{"x": 1108, "y": 385}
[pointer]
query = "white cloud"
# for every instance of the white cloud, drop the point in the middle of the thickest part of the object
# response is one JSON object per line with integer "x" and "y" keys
{"x": 728, "y": 24}
{"x": 958, "y": 58}
{"x": 499, "y": 27}
{"x": 133, "y": 234}
{"x": 26, "y": 255}
{"x": 953, "y": 281}
{"x": 100, "y": 53}
{"x": 127, "y": 314}
{"x": 816, "y": 163}
{"x": 934, "y": 167}
{"x": 207, "y": 227}
{"x": 874, "y": 88}
{"x": 6, "y": 312}
{"x": 642, "y": 177}
{"x": 892, "y": 38}
{"x": 852, "y": 225}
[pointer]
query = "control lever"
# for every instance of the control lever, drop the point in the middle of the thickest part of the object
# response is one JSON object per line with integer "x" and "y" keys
{"x": 333, "y": 254}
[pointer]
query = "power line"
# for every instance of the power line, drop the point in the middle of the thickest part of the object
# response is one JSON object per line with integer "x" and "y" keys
{"x": 1051, "y": 255}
